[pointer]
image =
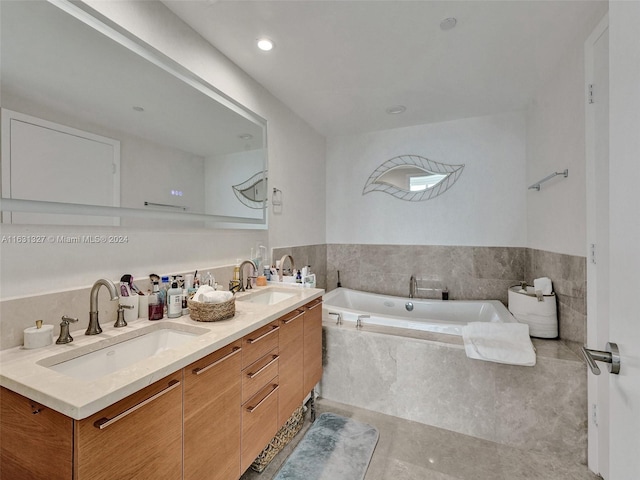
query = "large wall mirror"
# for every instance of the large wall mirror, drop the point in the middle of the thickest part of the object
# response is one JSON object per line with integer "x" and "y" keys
{"x": 98, "y": 128}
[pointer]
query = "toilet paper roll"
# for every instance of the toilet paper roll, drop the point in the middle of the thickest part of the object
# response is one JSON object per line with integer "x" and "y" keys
{"x": 143, "y": 306}
{"x": 35, "y": 337}
{"x": 130, "y": 314}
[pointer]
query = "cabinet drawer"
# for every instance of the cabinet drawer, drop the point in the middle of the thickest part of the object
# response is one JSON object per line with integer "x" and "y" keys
{"x": 259, "y": 422}
{"x": 212, "y": 402}
{"x": 257, "y": 344}
{"x": 152, "y": 417}
{"x": 257, "y": 375}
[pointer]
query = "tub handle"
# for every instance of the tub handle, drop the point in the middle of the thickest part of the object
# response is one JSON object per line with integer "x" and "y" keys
{"x": 611, "y": 356}
{"x": 359, "y": 320}
{"x": 338, "y": 317}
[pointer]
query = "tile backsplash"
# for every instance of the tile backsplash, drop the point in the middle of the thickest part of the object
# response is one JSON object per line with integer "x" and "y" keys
{"x": 20, "y": 313}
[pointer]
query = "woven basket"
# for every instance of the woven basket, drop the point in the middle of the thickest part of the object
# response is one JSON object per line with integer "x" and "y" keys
{"x": 286, "y": 433}
{"x": 211, "y": 312}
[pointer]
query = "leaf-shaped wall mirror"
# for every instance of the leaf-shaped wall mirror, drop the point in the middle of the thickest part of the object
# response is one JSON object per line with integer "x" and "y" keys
{"x": 253, "y": 192}
{"x": 413, "y": 178}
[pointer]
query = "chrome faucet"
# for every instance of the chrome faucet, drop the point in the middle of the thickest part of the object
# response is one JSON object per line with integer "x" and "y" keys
{"x": 241, "y": 277}
{"x": 413, "y": 285}
{"x": 282, "y": 260}
{"x": 94, "y": 324}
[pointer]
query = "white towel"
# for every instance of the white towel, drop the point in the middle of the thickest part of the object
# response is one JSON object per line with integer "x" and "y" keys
{"x": 207, "y": 294}
{"x": 499, "y": 342}
{"x": 216, "y": 297}
{"x": 543, "y": 285}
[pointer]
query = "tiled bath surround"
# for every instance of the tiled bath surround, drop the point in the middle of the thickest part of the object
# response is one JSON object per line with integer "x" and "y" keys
{"x": 539, "y": 409}
{"x": 569, "y": 276}
{"x": 470, "y": 273}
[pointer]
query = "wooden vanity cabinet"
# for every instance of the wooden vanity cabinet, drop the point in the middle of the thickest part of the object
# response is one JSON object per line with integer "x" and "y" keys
{"x": 312, "y": 344}
{"x": 209, "y": 420}
{"x": 138, "y": 437}
{"x": 36, "y": 442}
{"x": 212, "y": 399}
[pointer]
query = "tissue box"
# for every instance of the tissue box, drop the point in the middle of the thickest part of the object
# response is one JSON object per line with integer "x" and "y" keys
{"x": 542, "y": 317}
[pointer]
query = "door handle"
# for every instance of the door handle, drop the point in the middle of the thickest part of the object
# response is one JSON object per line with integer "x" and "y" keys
{"x": 611, "y": 355}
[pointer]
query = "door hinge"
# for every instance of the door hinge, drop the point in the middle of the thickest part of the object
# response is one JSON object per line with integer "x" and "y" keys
{"x": 593, "y": 253}
{"x": 590, "y": 95}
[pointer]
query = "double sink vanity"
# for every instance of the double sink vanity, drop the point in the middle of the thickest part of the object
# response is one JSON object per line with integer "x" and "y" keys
{"x": 174, "y": 399}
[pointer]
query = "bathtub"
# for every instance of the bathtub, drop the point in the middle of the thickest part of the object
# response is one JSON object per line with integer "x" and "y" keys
{"x": 427, "y": 315}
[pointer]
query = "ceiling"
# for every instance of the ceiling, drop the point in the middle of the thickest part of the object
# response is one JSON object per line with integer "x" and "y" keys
{"x": 340, "y": 64}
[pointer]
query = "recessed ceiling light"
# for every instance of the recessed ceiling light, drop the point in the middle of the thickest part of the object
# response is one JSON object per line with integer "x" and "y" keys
{"x": 396, "y": 109}
{"x": 138, "y": 109}
{"x": 448, "y": 23}
{"x": 265, "y": 44}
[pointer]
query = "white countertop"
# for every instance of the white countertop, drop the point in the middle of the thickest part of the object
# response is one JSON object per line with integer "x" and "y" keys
{"x": 78, "y": 399}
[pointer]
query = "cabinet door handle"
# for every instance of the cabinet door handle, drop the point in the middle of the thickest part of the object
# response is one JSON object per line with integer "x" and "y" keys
{"x": 288, "y": 321}
{"x": 255, "y": 374}
{"x": 253, "y": 409}
{"x": 198, "y": 371}
{"x": 105, "y": 422}
{"x": 318, "y": 302}
{"x": 254, "y": 340}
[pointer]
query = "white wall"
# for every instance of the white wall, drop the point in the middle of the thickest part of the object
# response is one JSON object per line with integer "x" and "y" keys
{"x": 556, "y": 218}
{"x": 296, "y": 162}
{"x": 486, "y": 207}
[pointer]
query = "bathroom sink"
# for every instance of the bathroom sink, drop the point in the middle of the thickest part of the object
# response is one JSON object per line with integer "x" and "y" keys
{"x": 270, "y": 297}
{"x": 90, "y": 365}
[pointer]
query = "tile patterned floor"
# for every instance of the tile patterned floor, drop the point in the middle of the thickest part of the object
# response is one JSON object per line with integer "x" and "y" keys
{"x": 413, "y": 451}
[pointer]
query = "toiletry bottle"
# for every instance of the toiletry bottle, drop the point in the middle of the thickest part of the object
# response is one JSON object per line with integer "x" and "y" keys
{"x": 164, "y": 286}
{"x": 174, "y": 300}
{"x": 185, "y": 297}
{"x": 298, "y": 277}
{"x": 156, "y": 308}
{"x": 236, "y": 271}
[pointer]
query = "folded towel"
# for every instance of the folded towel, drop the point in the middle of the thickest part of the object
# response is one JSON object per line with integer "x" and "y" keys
{"x": 499, "y": 342}
{"x": 543, "y": 285}
{"x": 207, "y": 294}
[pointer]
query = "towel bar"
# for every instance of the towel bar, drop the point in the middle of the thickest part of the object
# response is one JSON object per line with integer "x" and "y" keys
{"x": 536, "y": 186}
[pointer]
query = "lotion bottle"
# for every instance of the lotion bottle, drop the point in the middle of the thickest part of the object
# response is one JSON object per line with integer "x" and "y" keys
{"x": 174, "y": 300}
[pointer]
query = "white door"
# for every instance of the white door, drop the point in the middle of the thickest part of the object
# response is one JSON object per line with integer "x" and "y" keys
{"x": 597, "y": 174}
{"x": 624, "y": 227}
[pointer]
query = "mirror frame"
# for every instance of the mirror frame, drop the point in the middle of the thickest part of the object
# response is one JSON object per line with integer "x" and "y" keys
{"x": 115, "y": 32}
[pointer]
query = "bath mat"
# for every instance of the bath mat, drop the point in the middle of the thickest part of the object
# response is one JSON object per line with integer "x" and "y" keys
{"x": 334, "y": 448}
